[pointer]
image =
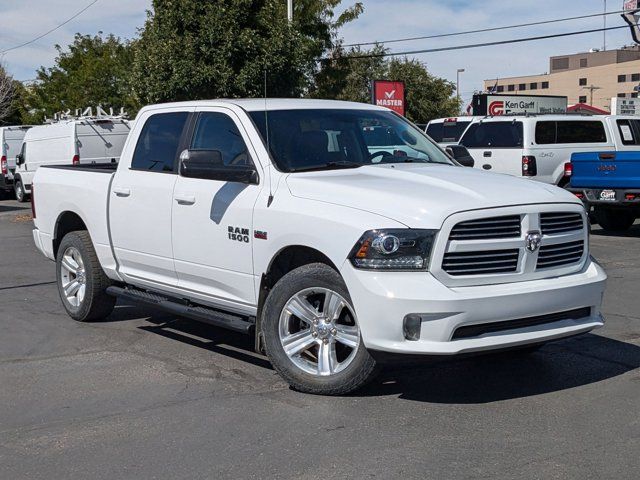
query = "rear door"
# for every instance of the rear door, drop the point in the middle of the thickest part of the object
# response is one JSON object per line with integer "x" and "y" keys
{"x": 496, "y": 145}
{"x": 141, "y": 197}
{"x": 101, "y": 141}
{"x": 213, "y": 220}
{"x": 12, "y": 144}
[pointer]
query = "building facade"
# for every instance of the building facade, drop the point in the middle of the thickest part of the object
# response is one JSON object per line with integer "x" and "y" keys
{"x": 591, "y": 78}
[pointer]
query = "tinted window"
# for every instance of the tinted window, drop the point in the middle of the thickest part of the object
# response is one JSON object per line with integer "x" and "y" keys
{"x": 380, "y": 137}
{"x": 158, "y": 144}
{"x": 217, "y": 131}
{"x": 447, "y": 131}
{"x": 629, "y": 131}
{"x": 493, "y": 135}
{"x": 570, "y": 131}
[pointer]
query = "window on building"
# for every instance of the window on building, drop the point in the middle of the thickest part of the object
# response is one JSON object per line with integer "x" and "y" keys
{"x": 511, "y": 88}
{"x": 500, "y": 88}
{"x": 560, "y": 63}
{"x": 634, "y": 95}
{"x": 582, "y": 82}
{"x": 533, "y": 86}
{"x": 622, "y": 78}
{"x": 583, "y": 63}
{"x": 622, "y": 95}
{"x": 545, "y": 85}
{"x": 522, "y": 86}
{"x": 635, "y": 77}
{"x": 582, "y": 99}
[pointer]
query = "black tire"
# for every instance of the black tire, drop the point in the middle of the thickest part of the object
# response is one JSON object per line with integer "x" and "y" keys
{"x": 21, "y": 194}
{"x": 614, "y": 220}
{"x": 96, "y": 304}
{"x": 362, "y": 368}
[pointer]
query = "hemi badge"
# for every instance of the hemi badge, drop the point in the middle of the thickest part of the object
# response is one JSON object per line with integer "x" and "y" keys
{"x": 260, "y": 235}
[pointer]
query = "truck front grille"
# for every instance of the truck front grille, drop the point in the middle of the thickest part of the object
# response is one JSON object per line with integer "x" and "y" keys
{"x": 481, "y": 263}
{"x": 487, "y": 228}
{"x": 552, "y": 223}
{"x": 560, "y": 254}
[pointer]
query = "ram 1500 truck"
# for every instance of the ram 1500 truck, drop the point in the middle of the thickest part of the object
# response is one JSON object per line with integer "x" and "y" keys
{"x": 273, "y": 217}
{"x": 609, "y": 184}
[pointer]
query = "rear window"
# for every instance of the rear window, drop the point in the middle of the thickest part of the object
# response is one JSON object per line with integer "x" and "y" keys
{"x": 443, "y": 132}
{"x": 570, "y": 132}
{"x": 493, "y": 135}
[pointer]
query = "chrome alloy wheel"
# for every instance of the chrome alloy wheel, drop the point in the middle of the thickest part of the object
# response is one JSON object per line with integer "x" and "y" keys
{"x": 319, "y": 332}
{"x": 73, "y": 276}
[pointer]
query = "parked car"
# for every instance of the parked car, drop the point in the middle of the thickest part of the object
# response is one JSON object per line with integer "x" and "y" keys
{"x": 609, "y": 182}
{"x": 286, "y": 226}
{"x": 448, "y": 131}
{"x": 69, "y": 142}
{"x": 10, "y": 143}
{"x": 537, "y": 147}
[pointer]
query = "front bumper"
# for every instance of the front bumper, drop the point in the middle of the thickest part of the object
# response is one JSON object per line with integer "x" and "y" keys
{"x": 383, "y": 299}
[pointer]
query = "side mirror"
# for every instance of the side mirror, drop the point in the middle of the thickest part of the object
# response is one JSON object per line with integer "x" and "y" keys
{"x": 208, "y": 165}
{"x": 461, "y": 155}
{"x": 19, "y": 159}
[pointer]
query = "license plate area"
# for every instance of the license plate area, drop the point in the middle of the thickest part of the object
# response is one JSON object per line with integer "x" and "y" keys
{"x": 607, "y": 196}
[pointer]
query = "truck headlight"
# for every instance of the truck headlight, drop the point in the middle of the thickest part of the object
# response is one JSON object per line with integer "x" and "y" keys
{"x": 393, "y": 249}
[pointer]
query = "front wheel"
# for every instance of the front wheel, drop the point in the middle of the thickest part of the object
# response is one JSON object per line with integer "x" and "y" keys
{"x": 312, "y": 335}
{"x": 82, "y": 283}
{"x": 21, "y": 194}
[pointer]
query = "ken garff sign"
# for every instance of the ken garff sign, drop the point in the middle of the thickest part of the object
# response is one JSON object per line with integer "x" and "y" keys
{"x": 389, "y": 94}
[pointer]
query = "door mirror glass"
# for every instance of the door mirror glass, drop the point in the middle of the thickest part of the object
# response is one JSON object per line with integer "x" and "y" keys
{"x": 461, "y": 155}
{"x": 208, "y": 165}
{"x": 19, "y": 159}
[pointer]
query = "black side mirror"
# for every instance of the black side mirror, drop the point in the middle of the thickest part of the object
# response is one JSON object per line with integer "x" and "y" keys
{"x": 19, "y": 159}
{"x": 208, "y": 165}
{"x": 461, "y": 155}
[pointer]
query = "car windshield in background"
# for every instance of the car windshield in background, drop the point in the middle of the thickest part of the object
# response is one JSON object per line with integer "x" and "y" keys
{"x": 319, "y": 139}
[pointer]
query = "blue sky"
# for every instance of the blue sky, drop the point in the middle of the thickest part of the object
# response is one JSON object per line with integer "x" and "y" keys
{"x": 22, "y": 20}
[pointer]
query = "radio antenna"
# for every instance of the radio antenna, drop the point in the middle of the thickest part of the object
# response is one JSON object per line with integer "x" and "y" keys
{"x": 266, "y": 126}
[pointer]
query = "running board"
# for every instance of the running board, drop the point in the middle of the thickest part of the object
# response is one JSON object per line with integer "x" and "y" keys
{"x": 199, "y": 313}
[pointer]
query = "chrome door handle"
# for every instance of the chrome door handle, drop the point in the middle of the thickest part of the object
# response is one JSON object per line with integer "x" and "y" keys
{"x": 121, "y": 191}
{"x": 185, "y": 199}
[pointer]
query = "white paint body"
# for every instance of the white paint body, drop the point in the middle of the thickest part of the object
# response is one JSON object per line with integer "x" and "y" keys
{"x": 169, "y": 234}
{"x": 93, "y": 140}
{"x": 10, "y": 144}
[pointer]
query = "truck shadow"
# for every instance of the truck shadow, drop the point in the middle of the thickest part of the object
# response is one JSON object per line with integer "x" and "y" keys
{"x": 482, "y": 379}
{"x": 633, "y": 232}
{"x": 11, "y": 208}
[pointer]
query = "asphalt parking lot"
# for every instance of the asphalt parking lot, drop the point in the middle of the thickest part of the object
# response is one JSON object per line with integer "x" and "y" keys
{"x": 146, "y": 395}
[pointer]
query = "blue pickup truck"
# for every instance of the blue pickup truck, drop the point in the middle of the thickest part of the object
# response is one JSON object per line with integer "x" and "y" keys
{"x": 609, "y": 185}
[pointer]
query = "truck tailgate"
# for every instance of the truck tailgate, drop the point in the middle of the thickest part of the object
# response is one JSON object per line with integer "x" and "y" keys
{"x": 606, "y": 169}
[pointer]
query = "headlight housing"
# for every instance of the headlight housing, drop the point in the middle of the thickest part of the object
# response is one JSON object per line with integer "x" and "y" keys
{"x": 393, "y": 250}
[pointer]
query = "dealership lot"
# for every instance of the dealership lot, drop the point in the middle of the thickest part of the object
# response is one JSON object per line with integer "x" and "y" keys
{"x": 147, "y": 395}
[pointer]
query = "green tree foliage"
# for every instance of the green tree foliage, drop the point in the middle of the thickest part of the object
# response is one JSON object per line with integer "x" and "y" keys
{"x": 347, "y": 75}
{"x": 95, "y": 70}
{"x": 195, "y": 49}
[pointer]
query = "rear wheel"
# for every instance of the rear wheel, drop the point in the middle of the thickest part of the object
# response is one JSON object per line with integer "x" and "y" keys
{"x": 614, "y": 220}
{"x": 82, "y": 283}
{"x": 312, "y": 335}
{"x": 21, "y": 194}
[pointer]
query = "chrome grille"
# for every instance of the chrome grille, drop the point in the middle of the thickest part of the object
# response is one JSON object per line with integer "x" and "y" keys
{"x": 481, "y": 263}
{"x": 560, "y": 222}
{"x": 487, "y": 228}
{"x": 552, "y": 256}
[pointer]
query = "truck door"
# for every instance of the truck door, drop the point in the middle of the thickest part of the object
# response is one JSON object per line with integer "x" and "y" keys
{"x": 141, "y": 200}
{"x": 496, "y": 146}
{"x": 213, "y": 220}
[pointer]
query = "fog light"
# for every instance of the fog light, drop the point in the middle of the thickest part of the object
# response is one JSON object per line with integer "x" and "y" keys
{"x": 411, "y": 327}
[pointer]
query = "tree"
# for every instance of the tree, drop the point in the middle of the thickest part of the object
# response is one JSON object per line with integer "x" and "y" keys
{"x": 196, "y": 49}
{"x": 7, "y": 94}
{"x": 95, "y": 70}
{"x": 348, "y": 75}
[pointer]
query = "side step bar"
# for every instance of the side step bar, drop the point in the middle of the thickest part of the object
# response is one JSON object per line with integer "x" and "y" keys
{"x": 199, "y": 313}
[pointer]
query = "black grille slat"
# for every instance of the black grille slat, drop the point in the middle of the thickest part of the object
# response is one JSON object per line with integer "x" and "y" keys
{"x": 471, "y": 331}
{"x": 560, "y": 254}
{"x": 481, "y": 263}
{"x": 560, "y": 222}
{"x": 495, "y": 227}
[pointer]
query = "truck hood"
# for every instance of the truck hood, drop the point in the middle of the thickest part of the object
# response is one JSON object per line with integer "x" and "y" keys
{"x": 419, "y": 195}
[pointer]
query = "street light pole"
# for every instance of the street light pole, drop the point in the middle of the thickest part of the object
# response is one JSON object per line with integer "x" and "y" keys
{"x": 290, "y": 10}
{"x": 458, "y": 72}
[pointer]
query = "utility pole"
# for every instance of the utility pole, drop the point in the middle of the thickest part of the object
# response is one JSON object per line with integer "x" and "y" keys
{"x": 604, "y": 32}
{"x": 591, "y": 89}
{"x": 458, "y": 72}
{"x": 290, "y": 10}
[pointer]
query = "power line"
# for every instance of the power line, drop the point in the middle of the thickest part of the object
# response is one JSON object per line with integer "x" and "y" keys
{"x": 483, "y": 30}
{"x": 477, "y": 45}
{"x": 50, "y": 31}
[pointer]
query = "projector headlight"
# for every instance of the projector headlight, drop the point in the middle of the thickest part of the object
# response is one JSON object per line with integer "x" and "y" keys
{"x": 393, "y": 249}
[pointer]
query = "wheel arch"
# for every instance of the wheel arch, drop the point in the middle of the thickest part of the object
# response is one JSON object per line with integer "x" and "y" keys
{"x": 68, "y": 221}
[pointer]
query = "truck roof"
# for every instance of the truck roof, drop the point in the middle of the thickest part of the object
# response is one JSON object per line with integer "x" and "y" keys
{"x": 258, "y": 104}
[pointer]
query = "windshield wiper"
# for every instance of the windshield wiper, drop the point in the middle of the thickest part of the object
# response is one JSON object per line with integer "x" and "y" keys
{"x": 329, "y": 166}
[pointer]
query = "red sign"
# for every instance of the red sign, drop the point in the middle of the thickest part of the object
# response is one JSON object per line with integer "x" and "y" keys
{"x": 496, "y": 108}
{"x": 389, "y": 94}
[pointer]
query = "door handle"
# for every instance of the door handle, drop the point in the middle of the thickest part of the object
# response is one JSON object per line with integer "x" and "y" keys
{"x": 121, "y": 191}
{"x": 185, "y": 199}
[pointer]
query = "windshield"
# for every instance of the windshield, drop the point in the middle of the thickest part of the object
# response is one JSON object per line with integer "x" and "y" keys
{"x": 322, "y": 139}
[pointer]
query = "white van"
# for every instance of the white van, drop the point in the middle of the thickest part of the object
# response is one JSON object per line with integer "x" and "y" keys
{"x": 68, "y": 142}
{"x": 10, "y": 143}
{"x": 537, "y": 147}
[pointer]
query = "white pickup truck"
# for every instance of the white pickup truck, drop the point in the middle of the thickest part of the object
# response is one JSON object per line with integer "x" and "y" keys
{"x": 273, "y": 218}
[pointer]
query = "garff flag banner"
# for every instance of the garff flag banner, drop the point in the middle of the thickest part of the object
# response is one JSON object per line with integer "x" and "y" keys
{"x": 389, "y": 94}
